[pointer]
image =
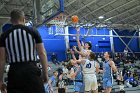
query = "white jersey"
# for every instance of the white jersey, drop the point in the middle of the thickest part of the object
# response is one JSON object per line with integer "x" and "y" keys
{"x": 89, "y": 72}
{"x": 89, "y": 67}
{"x": 84, "y": 51}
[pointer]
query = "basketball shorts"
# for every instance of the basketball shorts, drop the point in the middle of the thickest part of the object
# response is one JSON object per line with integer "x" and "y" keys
{"x": 78, "y": 86}
{"x": 107, "y": 83}
{"x": 90, "y": 82}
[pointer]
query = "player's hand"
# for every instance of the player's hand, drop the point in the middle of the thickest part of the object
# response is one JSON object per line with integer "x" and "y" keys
{"x": 74, "y": 48}
{"x": 118, "y": 76}
{"x": 82, "y": 43}
{"x": 100, "y": 71}
{"x": 78, "y": 29}
{"x": 45, "y": 78}
{"x": 78, "y": 68}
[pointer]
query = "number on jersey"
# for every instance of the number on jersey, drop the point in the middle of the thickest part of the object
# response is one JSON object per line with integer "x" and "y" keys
{"x": 88, "y": 65}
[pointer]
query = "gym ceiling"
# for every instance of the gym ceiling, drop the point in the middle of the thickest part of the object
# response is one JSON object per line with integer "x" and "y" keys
{"x": 115, "y": 13}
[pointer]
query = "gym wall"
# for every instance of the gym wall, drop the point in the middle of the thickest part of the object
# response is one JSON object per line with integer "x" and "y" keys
{"x": 133, "y": 44}
{"x": 99, "y": 44}
{"x": 53, "y": 43}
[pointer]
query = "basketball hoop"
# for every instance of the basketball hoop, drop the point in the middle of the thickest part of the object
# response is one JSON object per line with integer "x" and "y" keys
{"x": 59, "y": 21}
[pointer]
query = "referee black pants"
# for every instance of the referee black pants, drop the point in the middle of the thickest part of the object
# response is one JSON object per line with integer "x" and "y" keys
{"x": 24, "y": 78}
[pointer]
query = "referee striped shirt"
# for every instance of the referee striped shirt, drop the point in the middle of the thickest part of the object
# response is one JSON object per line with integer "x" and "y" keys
{"x": 20, "y": 43}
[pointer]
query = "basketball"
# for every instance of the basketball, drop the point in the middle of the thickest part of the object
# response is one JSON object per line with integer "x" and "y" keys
{"x": 75, "y": 19}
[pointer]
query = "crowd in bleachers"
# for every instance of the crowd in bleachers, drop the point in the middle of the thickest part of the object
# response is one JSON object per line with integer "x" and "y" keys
{"x": 128, "y": 67}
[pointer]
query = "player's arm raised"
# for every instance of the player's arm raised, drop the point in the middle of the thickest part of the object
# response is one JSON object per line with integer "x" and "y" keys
{"x": 72, "y": 73}
{"x": 77, "y": 38}
{"x": 81, "y": 61}
{"x": 73, "y": 56}
{"x": 81, "y": 53}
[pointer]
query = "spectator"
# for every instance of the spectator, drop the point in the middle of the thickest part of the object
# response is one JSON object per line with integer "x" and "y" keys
{"x": 117, "y": 61}
{"x": 100, "y": 87}
{"x": 61, "y": 84}
{"x": 65, "y": 72}
{"x": 120, "y": 78}
{"x": 122, "y": 88}
{"x": 54, "y": 58}
{"x": 125, "y": 52}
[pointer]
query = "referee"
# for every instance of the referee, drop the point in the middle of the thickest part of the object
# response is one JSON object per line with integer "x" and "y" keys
{"x": 19, "y": 46}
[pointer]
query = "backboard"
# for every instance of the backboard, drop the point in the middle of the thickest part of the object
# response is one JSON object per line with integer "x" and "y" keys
{"x": 51, "y": 9}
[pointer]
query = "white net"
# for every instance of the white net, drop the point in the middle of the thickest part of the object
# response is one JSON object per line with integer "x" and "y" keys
{"x": 60, "y": 20}
{"x": 50, "y": 29}
{"x": 60, "y": 23}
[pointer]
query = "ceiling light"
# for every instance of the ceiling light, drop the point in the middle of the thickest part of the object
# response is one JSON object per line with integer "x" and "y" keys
{"x": 101, "y": 17}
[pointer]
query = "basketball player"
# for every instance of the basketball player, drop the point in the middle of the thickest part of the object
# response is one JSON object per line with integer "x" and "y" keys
{"x": 49, "y": 86}
{"x": 76, "y": 74}
{"x": 108, "y": 67}
{"x": 84, "y": 49}
{"x": 90, "y": 68}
